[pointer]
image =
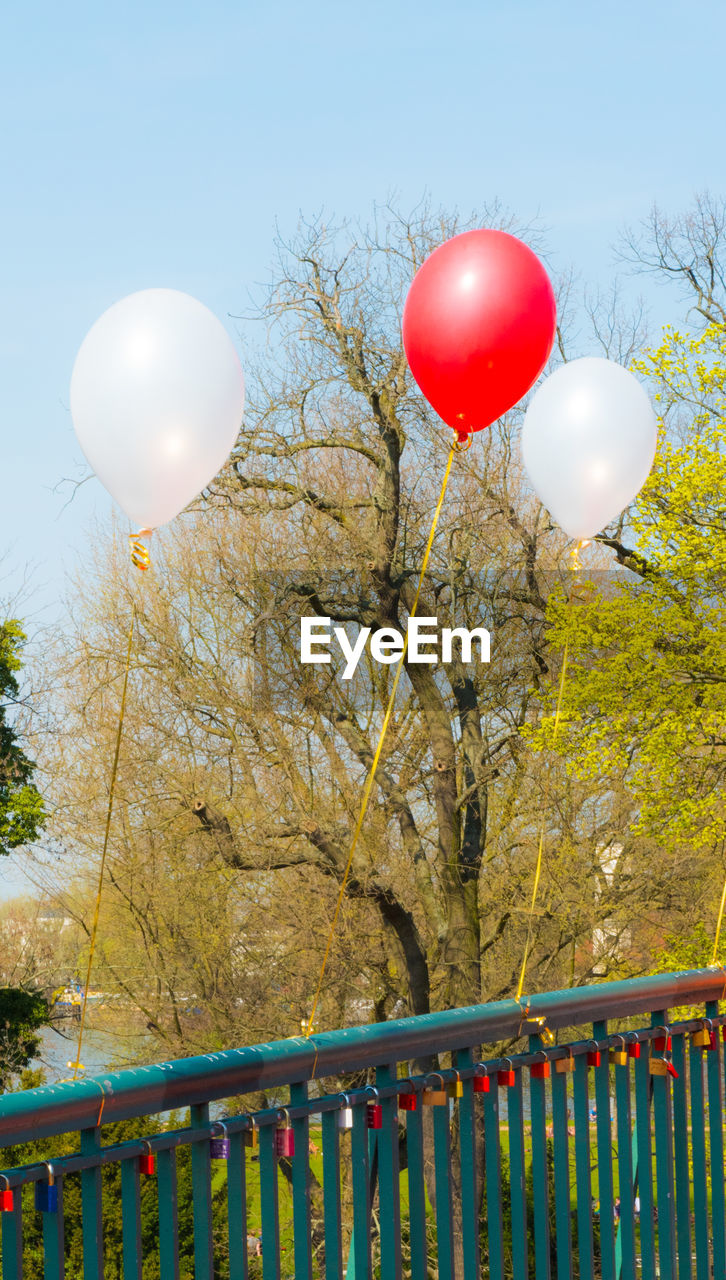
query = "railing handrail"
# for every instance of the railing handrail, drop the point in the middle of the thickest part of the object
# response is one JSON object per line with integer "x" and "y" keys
{"x": 168, "y": 1086}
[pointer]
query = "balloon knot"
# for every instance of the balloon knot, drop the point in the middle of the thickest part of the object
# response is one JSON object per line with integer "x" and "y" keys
{"x": 140, "y": 555}
{"x": 463, "y": 440}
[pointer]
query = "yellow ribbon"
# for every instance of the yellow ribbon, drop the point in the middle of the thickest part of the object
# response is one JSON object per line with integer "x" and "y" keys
{"x": 308, "y": 1027}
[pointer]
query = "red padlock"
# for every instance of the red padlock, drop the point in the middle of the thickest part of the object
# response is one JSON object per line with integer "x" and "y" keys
{"x": 634, "y": 1049}
{"x": 713, "y": 1043}
{"x": 540, "y": 1070}
{"x": 723, "y": 1031}
{"x": 407, "y": 1102}
{"x": 506, "y": 1078}
{"x": 671, "y": 1070}
{"x": 481, "y": 1084}
{"x": 7, "y": 1200}
{"x": 594, "y": 1058}
{"x": 285, "y": 1138}
{"x": 374, "y": 1115}
{"x": 662, "y": 1044}
{"x": 147, "y": 1161}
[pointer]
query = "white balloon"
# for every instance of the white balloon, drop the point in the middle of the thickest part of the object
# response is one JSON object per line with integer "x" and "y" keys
{"x": 588, "y": 443}
{"x": 157, "y": 395}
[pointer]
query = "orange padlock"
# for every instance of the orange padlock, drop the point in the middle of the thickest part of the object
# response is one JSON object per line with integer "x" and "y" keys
{"x": 435, "y": 1097}
{"x": 701, "y": 1039}
{"x": 563, "y": 1065}
{"x": 658, "y": 1067}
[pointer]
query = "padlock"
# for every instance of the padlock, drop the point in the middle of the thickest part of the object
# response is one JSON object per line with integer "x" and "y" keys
{"x": 712, "y": 1041}
{"x": 345, "y": 1118}
{"x": 434, "y": 1098}
{"x": 285, "y": 1137}
{"x": 505, "y": 1079}
{"x": 662, "y": 1043}
{"x": 701, "y": 1039}
{"x": 407, "y": 1101}
{"x": 658, "y": 1067}
{"x": 252, "y": 1137}
{"x": 7, "y": 1201}
{"x": 481, "y": 1084}
{"x": 634, "y": 1049}
{"x": 564, "y": 1065}
{"x": 46, "y": 1193}
{"x": 671, "y": 1070}
{"x": 374, "y": 1115}
{"x": 219, "y": 1147}
{"x": 147, "y": 1161}
{"x": 540, "y": 1070}
{"x": 455, "y": 1088}
{"x": 619, "y": 1057}
{"x": 594, "y": 1058}
{"x": 723, "y": 1031}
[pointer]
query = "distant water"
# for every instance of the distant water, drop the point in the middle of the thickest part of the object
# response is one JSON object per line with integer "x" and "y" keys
{"x": 103, "y": 1049}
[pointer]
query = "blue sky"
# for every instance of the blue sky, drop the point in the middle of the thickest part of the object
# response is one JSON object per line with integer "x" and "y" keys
{"x": 158, "y": 144}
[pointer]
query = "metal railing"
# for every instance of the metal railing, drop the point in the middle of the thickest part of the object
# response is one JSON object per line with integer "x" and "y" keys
{"x": 597, "y": 1156}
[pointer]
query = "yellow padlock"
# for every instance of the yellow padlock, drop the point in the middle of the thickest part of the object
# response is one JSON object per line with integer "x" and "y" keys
{"x": 252, "y": 1138}
{"x": 619, "y": 1057}
{"x": 701, "y": 1039}
{"x": 455, "y": 1088}
{"x": 563, "y": 1065}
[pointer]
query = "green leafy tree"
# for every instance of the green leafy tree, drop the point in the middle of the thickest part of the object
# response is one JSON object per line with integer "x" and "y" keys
{"x": 21, "y": 807}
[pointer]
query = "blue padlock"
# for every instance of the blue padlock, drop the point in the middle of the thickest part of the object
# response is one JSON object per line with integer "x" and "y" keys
{"x": 46, "y": 1193}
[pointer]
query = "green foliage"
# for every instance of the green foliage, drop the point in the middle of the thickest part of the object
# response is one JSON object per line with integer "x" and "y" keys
{"x": 22, "y": 1014}
{"x": 646, "y": 690}
{"x": 21, "y": 807}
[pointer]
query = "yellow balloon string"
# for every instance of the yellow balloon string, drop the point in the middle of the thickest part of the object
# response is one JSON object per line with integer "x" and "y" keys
{"x": 307, "y": 1026}
{"x": 575, "y": 566}
{"x": 78, "y": 1065}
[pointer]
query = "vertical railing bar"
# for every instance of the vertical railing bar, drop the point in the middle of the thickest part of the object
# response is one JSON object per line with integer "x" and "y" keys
{"x": 464, "y": 1058}
{"x": 442, "y": 1181}
{"x": 166, "y": 1185}
{"x": 541, "y": 1206}
{"x": 269, "y": 1204}
{"x": 493, "y": 1167}
{"x": 12, "y": 1238}
{"x": 302, "y": 1243}
{"x": 360, "y": 1245}
{"x": 237, "y": 1207}
{"x": 54, "y": 1240}
{"x": 665, "y": 1192}
{"x": 517, "y": 1176}
{"x": 680, "y": 1146}
{"x": 202, "y": 1197}
{"x": 92, "y": 1208}
{"x": 625, "y": 1237}
{"x": 583, "y": 1181}
{"x": 604, "y": 1142}
{"x": 699, "y": 1165}
{"x": 561, "y": 1162}
{"x": 643, "y": 1095}
{"x": 332, "y": 1217}
{"x": 416, "y": 1193}
{"x": 716, "y": 1145}
{"x": 389, "y": 1182}
{"x": 131, "y": 1218}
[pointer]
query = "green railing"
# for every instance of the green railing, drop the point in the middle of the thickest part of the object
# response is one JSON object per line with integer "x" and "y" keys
{"x": 601, "y": 1155}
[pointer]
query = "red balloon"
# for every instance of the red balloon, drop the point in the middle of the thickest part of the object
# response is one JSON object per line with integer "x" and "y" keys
{"x": 478, "y": 326}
